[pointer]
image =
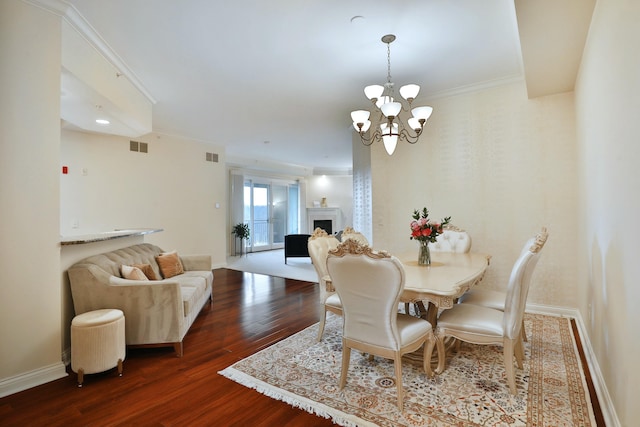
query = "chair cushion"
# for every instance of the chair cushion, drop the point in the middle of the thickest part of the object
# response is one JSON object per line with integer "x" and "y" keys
{"x": 412, "y": 328}
{"x": 485, "y": 298}
{"x": 474, "y": 319}
{"x": 191, "y": 288}
{"x": 206, "y": 275}
{"x": 333, "y": 301}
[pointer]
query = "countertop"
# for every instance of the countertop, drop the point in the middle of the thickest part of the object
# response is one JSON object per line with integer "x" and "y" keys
{"x": 107, "y": 235}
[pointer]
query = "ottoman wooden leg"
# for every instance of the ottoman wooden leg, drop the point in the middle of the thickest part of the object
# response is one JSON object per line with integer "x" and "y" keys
{"x": 80, "y": 377}
{"x": 119, "y": 367}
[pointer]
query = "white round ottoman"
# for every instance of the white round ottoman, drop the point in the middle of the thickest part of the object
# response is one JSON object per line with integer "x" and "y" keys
{"x": 97, "y": 342}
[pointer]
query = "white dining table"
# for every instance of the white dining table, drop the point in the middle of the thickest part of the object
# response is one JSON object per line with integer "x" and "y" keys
{"x": 438, "y": 285}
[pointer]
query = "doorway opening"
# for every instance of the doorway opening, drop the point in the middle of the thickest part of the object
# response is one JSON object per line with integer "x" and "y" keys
{"x": 271, "y": 209}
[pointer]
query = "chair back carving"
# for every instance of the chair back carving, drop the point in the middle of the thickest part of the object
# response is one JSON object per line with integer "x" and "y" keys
{"x": 319, "y": 245}
{"x": 519, "y": 282}
{"x": 318, "y": 232}
{"x": 350, "y": 233}
{"x": 369, "y": 284}
{"x": 452, "y": 239}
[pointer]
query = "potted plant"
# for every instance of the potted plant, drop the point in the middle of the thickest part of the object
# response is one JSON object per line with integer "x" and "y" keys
{"x": 242, "y": 232}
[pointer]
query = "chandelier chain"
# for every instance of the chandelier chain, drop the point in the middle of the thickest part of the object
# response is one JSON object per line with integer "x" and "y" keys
{"x": 388, "y": 62}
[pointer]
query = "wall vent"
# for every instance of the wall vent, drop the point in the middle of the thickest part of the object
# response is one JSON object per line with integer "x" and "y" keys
{"x": 141, "y": 147}
{"x": 212, "y": 157}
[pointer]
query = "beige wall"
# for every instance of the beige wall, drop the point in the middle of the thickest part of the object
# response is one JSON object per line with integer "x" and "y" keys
{"x": 171, "y": 187}
{"x": 608, "y": 125}
{"x": 30, "y": 307}
{"x": 502, "y": 166}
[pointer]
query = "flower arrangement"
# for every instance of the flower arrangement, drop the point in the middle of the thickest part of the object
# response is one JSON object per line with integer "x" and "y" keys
{"x": 423, "y": 229}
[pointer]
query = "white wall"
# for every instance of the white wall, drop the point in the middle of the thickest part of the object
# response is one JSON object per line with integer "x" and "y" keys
{"x": 338, "y": 189}
{"x": 30, "y": 306}
{"x": 607, "y": 105}
{"x": 502, "y": 166}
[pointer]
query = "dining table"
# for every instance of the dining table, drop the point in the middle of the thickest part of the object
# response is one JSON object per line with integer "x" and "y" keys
{"x": 437, "y": 286}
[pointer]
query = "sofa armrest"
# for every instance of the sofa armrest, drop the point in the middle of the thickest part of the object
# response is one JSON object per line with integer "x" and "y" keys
{"x": 196, "y": 262}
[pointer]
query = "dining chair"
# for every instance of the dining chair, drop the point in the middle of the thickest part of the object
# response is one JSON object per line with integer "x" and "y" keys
{"x": 369, "y": 284}
{"x": 319, "y": 245}
{"x": 452, "y": 239}
{"x": 350, "y": 233}
{"x": 483, "y": 325}
{"x": 496, "y": 299}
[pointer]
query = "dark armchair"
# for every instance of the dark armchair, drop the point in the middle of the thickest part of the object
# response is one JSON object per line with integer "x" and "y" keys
{"x": 295, "y": 245}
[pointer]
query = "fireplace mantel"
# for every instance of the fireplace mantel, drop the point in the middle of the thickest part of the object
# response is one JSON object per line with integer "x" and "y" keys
{"x": 325, "y": 214}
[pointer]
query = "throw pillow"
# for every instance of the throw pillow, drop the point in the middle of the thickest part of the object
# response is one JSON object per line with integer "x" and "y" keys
{"x": 170, "y": 264}
{"x": 132, "y": 273}
{"x": 147, "y": 270}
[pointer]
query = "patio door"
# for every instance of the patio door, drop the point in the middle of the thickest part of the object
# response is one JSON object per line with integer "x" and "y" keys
{"x": 267, "y": 211}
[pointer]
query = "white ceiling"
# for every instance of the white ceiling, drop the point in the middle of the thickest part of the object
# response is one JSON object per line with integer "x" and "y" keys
{"x": 243, "y": 72}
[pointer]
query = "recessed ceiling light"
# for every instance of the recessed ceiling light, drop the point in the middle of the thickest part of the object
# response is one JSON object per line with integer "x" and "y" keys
{"x": 103, "y": 122}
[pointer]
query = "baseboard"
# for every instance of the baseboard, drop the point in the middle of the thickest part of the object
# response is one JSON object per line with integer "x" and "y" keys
{"x": 31, "y": 379}
{"x": 66, "y": 356}
{"x": 604, "y": 398}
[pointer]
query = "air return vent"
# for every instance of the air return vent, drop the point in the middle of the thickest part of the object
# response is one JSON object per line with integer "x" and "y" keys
{"x": 211, "y": 157}
{"x": 141, "y": 147}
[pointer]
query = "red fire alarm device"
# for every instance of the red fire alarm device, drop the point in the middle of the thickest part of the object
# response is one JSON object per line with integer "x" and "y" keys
{"x": 65, "y": 170}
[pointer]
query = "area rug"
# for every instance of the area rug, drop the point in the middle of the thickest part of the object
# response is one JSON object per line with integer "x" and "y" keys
{"x": 472, "y": 391}
{"x": 272, "y": 263}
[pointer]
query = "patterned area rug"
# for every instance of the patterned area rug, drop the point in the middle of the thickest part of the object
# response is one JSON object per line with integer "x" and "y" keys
{"x": 472, "y": 391}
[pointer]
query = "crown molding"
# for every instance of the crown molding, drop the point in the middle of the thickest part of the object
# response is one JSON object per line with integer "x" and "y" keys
{"x": 73, "y": 17}
{"x": 477, "y": 87}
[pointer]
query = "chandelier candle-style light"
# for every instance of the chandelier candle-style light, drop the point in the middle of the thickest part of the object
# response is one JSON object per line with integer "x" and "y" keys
{"x": 391, "y": 127}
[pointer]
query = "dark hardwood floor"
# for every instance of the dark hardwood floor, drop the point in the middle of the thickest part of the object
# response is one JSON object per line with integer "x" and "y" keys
{"x": 250, "y": 312}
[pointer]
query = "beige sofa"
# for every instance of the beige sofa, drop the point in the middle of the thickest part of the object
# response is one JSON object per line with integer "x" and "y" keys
{"x": 157, "y": 312}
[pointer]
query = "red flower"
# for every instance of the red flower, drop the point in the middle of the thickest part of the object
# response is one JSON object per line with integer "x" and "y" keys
{"x": 423, "y": 229}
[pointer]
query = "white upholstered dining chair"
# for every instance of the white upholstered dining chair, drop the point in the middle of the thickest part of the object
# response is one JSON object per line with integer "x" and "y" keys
{"x": 483, "y": 325}
{"x": 350, "y": 233}
{"x": 452, "y": 239}
{"x": 496, "y": 299}
{"x": 319, "y": 245}
{"x": 369, "y": 284}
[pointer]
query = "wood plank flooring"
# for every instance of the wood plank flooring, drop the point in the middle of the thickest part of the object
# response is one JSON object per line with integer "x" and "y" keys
{"x": 250, "y": 312}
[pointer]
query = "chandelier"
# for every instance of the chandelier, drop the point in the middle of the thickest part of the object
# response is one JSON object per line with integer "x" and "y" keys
{"x": 391, "y": 129}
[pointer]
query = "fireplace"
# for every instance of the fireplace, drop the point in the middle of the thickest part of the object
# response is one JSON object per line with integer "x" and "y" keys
{"x": 325, "y": 224}
{"x": 329, "y": 219}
